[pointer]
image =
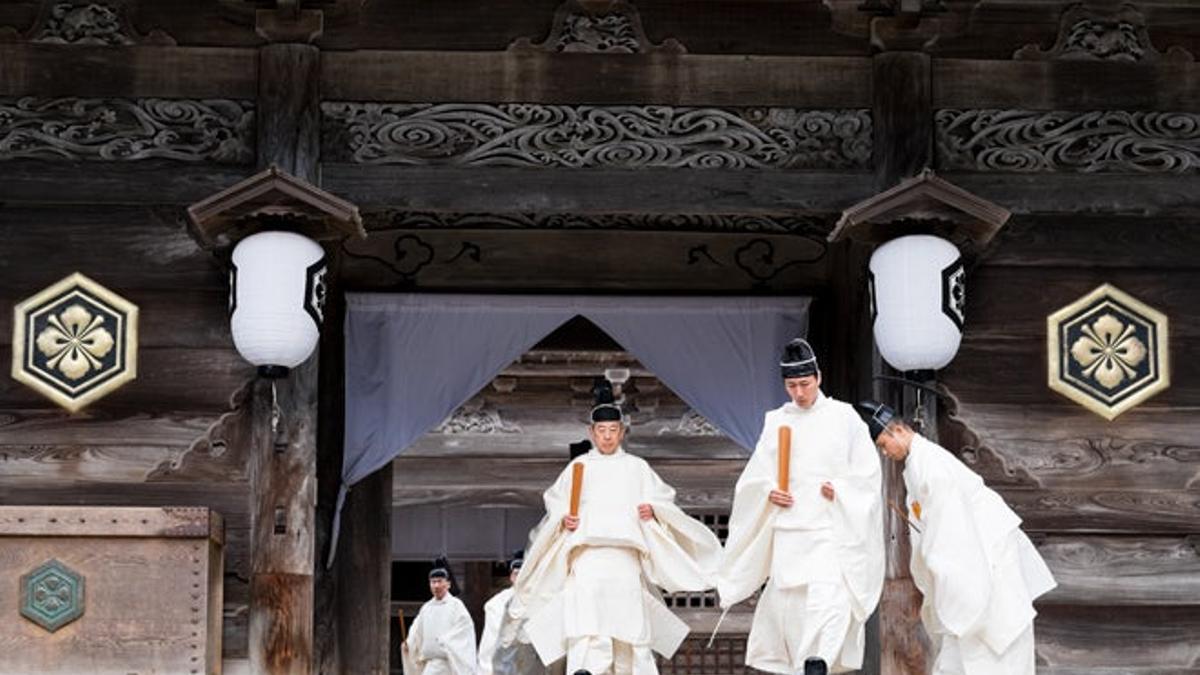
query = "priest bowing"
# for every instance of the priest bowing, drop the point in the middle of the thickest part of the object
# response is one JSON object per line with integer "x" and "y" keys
{"x": 807, "y": 521}
{"x": 442, "y": 638}
{"x": 977, "y": 570}
{"x": 589, "y": 588}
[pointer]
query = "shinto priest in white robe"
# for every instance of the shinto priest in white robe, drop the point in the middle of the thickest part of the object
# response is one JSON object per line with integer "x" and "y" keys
{"x": 493, "y": 616}
{"x": 504, "y": 647}
{"x": 441, "y": 641}
{"x": 591, "y": 594}
{"x": 978, "y": 571}
{"x": 822, "y": 560}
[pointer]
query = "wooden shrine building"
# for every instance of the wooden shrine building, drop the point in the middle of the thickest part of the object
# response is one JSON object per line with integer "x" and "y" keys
{"x": 665, "y": 148}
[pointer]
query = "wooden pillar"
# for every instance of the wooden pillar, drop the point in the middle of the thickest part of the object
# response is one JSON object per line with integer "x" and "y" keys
{"x": 477, "y": 590}
{"x": 331, "y": 406}
{"x": 283, "y": 464}
{"x": 903, "y": 116}
{"x": 288, "y": 117}
{"x": 903, "y": 119}
{"x": 364, "y": 575}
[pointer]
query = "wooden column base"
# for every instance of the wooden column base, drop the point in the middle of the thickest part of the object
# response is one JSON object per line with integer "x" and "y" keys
{"x": 281, "y": 622}
{"x": 905, "y": 643}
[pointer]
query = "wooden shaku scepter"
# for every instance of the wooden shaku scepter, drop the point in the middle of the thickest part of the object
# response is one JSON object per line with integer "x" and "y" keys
{"x": 785, "y": 457}
{"x": 576, "y": 487}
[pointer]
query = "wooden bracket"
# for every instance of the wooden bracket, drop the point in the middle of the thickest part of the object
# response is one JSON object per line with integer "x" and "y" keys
{"x": 273, "y": 195}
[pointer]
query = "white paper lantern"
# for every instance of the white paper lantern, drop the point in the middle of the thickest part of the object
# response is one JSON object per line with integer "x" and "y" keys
{"x": 276, "y": 296}
{"x": 918, "y": 294}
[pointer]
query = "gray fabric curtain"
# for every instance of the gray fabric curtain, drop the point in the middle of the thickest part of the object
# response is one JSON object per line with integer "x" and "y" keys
{"x": 411, "y": 359}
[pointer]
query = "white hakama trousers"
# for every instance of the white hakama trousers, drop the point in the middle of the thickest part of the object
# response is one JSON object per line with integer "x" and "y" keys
{"x": 970, "y": 656}
{"x": 601, "y": 656}
{"x": 794, "y": 624}
{"x": 607, "y": 625}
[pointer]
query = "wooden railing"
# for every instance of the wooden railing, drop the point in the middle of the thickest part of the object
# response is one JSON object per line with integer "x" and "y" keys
{"x": 727, "y": 656}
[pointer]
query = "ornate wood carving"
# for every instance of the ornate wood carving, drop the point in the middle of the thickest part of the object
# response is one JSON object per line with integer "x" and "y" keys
{"x": 1086, "y": 142}
{"x": 955, "y": 434}
{"x": 691, "y": 423}
{"x": 570, "y": 136}
{"x": 82, "y": 129}
{"x": 78, "y": 22}
{"x": 1091, "y": 31}
{"x": 477, "y": 418}
{"x": 597, "y": 27}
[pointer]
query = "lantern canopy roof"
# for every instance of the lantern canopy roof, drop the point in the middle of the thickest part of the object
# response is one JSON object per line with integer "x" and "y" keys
{"x": 923, "y": 204}
{"x": 273, "y": 196}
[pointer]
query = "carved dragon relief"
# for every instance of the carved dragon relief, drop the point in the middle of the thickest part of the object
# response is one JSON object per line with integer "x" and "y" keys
{"x": 1092, "y": 31}
{"x": 78, "y": 22}
{"x": 597, "y": 27}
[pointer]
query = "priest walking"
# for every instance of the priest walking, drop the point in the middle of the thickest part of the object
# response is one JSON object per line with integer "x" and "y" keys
{"x": 442, "y": 638}
{"x": 614, "y": 536}
{"x": 810, "y": 526}
{"x": 494, "y": 611}
{"x": 977, "y": 570}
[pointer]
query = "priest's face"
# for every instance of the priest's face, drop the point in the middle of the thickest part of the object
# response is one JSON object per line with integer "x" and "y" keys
{"x": 803, "y": 390}
{"x": 439, "y": 587}
{"x": 895, "y": 441}
{"x": 607, "y": 436}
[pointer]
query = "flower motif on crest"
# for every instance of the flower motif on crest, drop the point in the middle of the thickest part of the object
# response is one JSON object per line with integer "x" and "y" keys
{"x": 75, "y": 341}
{"x": 1108, "y": 351}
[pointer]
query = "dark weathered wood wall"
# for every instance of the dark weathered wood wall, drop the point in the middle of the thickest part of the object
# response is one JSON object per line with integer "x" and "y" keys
{"x": 1114, "y": 505}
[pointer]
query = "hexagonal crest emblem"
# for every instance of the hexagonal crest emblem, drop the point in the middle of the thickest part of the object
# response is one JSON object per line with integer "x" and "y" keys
{"x": 52, "y": 595}
{"x": 75, "y": 342}
{"x": 1107, "y": 351}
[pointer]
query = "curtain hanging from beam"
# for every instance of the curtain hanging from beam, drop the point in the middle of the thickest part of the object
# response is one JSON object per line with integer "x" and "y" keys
{"x": 412, "y": 359}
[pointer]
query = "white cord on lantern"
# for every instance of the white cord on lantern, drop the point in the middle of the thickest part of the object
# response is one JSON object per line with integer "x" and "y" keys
{"x": 275, "y": 414}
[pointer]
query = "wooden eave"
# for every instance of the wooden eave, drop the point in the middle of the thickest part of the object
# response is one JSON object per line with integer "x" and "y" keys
{"x": 231, "y": 213}
{"x": 944, "y": 207}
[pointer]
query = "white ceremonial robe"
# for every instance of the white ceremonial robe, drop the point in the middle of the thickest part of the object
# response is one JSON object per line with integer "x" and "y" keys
{"x": 590, "y": 594}
{"x": 441, "y": 641}
{"x": 977, "y": 570}
{"x": 493, "y": 615}
{"x": 824, "y": 559}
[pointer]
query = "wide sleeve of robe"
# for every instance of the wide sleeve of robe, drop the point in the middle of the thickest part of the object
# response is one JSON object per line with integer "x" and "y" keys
{"x": 858, "y": 518}
{"x": 746, "y": 561}
{"x": 682, "y": 554}
{"x": 545, "y": 569}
